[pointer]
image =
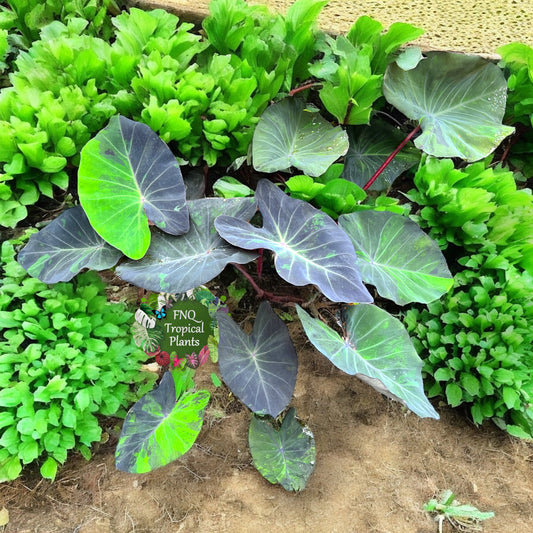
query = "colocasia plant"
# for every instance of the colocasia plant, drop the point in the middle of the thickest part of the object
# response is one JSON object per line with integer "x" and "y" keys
{"x": 133, "y": 205}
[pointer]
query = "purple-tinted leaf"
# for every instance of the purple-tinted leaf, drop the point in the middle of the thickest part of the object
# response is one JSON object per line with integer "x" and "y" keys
{"x": 260, "y": 369}
{"x": 160, "y": 428}
{"x": 177, "y": 264}
{"x": 64, "y": 247}
{"x": 127, "y": 177}
{"x": 309, "y": 246}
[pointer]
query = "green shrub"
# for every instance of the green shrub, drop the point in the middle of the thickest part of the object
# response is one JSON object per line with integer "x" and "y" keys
{"x": 67, "y": 355}
{"x": 476, "y": 345}
{"x": 25, "y": 18}
{"x": 477, "y": 208}
{"x": 517, "y": 60}
{"x": 476, "y": 341}
{"x": 70, "y": 83}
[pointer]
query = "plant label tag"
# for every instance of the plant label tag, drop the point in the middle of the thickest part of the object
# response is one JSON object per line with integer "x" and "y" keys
{"x": 186, "y": 328}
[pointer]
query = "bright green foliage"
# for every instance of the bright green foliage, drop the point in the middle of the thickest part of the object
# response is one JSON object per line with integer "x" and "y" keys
{"x": 517, "y": 58}
{"x": 277, "y": 48}
{"x": 4, "y": 48}
{"x": 337, "y": 196}
{"x": 477, "y": 208}
{"x": 70, "y": 83}
{"x": 352, "y": 67}
{"x": 476, "y": 345}
{"x": 463, "y": 517}
{"x": 476, "y": 341}
{"x": 25, "y": 18}
{"x": 66, "y": 355}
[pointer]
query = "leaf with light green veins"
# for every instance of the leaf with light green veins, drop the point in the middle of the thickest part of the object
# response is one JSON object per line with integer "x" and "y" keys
{"x": 286, "y": 456}
{"x": 310, "y": 248}
{"x": 160, "y": 428}
{"x": 459, "y": 101}
{"x": 288, "y": 134}
{"x": 397, "y": 257}
{"x": 128, "y": 177}
{"x": 377, "y": 349}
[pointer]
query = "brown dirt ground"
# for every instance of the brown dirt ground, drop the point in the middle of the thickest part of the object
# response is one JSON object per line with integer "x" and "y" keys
{"x": 376, "y": 466}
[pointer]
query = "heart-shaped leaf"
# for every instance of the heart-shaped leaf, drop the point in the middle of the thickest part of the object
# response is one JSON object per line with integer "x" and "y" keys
{"x": 458, "y": 99}
{"x": 127, "y": 177}
{"x": 64, "y": 247}
{"x": 260, "y": 368}
{"x": 158, "y": 429}
{"x": 369, "y": 148}
{"x": 397, "y": 257}
{"x": 178, "y": 264}
{"x": 286, "y": 456}
{"x": 309, "y": 246}
{"x": 377, "y": 349}
{"x": 288, "y": 134}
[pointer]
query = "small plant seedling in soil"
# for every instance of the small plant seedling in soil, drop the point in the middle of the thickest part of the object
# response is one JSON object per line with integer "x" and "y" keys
{"x": 462, "y": 517}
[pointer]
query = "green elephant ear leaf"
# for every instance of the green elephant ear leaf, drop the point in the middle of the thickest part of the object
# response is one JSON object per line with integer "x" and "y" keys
{"x": 397, "y": 257}
{"x": 290, "y": 135}
{"x": 285, "y": 455}
{"x": 64, "y": 247}
{"x": 458, "y": 99}
{"x": 160, "y": 428}
{"x": 378, "y": 350}
{"x": 127, "y": 177}
{"x": 369, "y": 148}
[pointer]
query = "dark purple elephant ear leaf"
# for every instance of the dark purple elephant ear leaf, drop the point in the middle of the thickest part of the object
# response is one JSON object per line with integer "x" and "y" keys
{"x": 310, "y": 247}
{"x": 176, "y": 264}
{"x": 64, "y": 247}
{"x": 128, "y": 176}
{"x": 260, "y": 369}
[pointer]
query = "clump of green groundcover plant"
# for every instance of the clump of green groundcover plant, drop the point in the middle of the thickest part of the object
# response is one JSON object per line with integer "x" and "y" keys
{"x": 477, "y": 208}
{"x": 25, "y": 18}
{"x": 204, "y": 94}
{"x": 66, "y": 356}
{"x": 476, "y": 344}
{"x": 517, "y": 62}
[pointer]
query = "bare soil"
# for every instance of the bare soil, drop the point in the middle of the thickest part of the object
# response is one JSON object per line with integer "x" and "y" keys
{"x": 377, "y": 464}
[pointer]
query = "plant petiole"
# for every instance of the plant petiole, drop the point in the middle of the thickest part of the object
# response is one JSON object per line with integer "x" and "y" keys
{"x": 390, "y": 158}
